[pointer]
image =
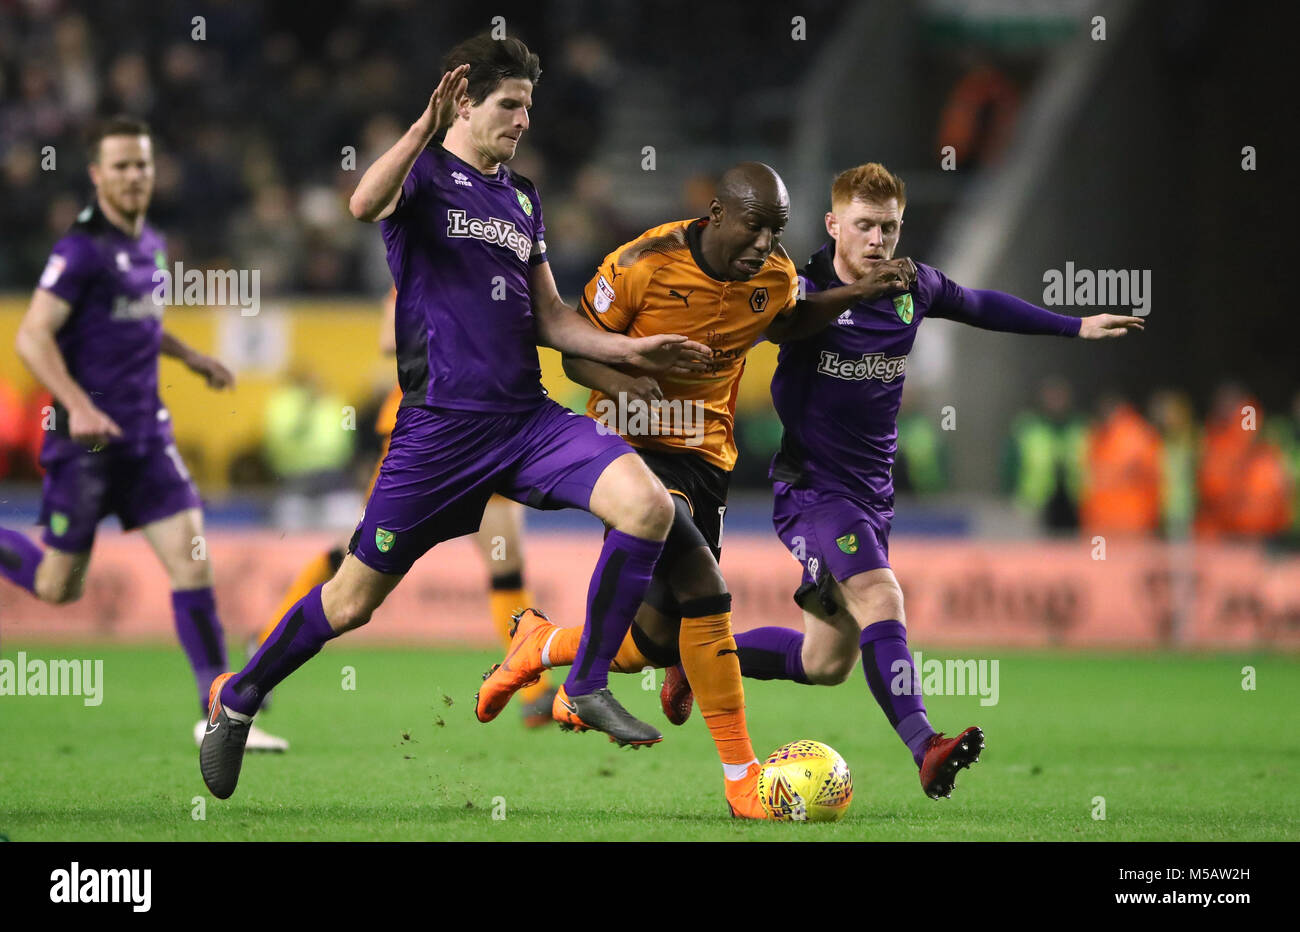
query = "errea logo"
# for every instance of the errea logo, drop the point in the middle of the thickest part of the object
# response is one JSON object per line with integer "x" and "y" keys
{"x": 461, "y": 179}
{"x": 496, "y": 231}
{"x": 845, "y": 319}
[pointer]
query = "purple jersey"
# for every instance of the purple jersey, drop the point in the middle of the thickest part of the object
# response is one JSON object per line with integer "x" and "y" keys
{"x": 112, "y": 336}
{"x": 838, "y": 391}
{"x": 461, "y": 246}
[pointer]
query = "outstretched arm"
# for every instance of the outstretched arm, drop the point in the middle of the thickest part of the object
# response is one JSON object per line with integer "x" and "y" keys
{"x": 560, "y": 327}
{"x": 996, "y": 310}
{"x": 610, "y": 381}
{"x": 817, "y": 309}
{"x": 380, "y": 187}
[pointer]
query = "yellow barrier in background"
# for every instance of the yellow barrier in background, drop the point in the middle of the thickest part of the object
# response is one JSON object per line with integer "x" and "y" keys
{"x": 338, "y": 341}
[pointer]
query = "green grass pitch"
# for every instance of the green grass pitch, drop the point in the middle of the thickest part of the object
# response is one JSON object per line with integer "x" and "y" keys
{"x": 1174, "y": 744}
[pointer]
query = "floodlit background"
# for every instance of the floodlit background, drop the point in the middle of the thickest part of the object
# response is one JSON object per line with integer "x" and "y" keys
{"x": 1137, "y": 137}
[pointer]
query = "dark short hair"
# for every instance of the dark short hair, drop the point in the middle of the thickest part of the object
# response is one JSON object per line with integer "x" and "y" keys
{"x": 492, "y": 61}
{"x": 113, "y": 126}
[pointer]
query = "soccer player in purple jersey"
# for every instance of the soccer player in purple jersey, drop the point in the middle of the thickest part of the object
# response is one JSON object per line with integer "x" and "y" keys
{"x": 837, "y": 389}
{"x": 475, "y": 298}
{"x": 92, "y": 336}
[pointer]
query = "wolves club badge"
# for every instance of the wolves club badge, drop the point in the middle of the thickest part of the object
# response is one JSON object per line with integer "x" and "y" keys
{"x": 903, "y": 304}
{"x": 849, "y": 542}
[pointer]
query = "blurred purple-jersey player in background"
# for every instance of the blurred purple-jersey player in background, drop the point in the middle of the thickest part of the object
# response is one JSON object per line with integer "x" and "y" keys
{"x": 837, "y": 389}
{"x": 92, "y": 336}
{"x": 475, "y": 298}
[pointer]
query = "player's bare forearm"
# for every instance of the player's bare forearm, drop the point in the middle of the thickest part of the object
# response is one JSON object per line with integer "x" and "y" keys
{"x": 597, "y": 375}
{"x": 560, "y": 327}
{"x": 378, "y": 190}
{"x": 40, "y": 353}
{"x": 811, "y": 314}
{"x": 176, "y": 348}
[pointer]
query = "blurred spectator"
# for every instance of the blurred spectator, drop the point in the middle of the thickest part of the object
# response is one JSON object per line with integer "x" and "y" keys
{"x": 1243, "y": 482}
{"x": 1122, "y": 494}
{"x": 1171, "y": 412}
{"x": 979, "y": 115}
{"x": 921, "y": 464}
{"x": 252, "y": 124}
{"x": 1043, "y": 466}
{"x": 11, "y": 428}
{"x": 305, "y": 438}
{"x": 1285, "y": 433}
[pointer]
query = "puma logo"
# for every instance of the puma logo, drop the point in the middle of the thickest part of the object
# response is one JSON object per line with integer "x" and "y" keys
{"x": 684, "y": 298}
{"x": 727, "y": 650}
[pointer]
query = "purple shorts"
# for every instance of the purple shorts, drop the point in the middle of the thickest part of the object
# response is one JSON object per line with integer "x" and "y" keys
{"x": 832, "y": 535}
{"x": 140, "y": 484}
{"x": 443, "y": 466}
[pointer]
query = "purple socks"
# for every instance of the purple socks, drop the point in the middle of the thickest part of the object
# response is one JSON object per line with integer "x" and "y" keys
{"x": 892, "y": 679}
{"x": 771, "y": 654}
{"x": 201, "y": 637}
{"x": 299, "y": 636}
{"x": 617, "y": 587}
{"x": 19, "y": 558}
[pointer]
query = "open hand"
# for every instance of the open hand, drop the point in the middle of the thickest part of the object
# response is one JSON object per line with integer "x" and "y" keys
{"x": 669, "y": 352}
{"x": 91, "y": 427}
{"x": 213, "y": 370}
{"x": 1107, "y": 326}
{"x": 447, "y": 98}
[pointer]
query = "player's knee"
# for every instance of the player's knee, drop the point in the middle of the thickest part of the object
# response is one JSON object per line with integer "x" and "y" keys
{"x": 60, "y": 591}
{"x": 700, "y": 582}
{"x": 646, "y": 512}
{"x": 344, "y": 610}
{"x": 349, "y": 615}
{"x": 875, "y": 600}
{"x": 196, "y": 574}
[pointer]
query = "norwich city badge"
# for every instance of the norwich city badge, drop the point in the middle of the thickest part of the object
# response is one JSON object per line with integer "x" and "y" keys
{"x": 58, "y": 523}
{"x": 903, "y": 304}
{"x": 848, "y": 543}
{"x": 384, "y": 540}
{"x": 524, "y": 202}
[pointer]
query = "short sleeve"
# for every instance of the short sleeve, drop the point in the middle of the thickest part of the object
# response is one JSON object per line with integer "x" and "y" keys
{"x": 538, "y": 255}
{"x": 72, "y": 264}
{"x": 416, "y": 184}
{"x": 609, "y": 300}
{"x": 795, "y": 291}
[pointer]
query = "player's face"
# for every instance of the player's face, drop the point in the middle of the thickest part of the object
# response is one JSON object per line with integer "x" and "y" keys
{"x": 123, "y": 174}
{"x": 865, "y": 232}
{"x": 747, "y": 233}
{"x": 496, "y": 124}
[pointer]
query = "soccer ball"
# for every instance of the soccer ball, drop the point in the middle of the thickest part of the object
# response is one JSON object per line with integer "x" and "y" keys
{"x": 805, "y": 781}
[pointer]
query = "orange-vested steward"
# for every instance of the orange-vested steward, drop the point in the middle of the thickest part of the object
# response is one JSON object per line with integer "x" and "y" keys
{"x": 658, "y": 283}
{"x": 1122, "y": 491}
{"x": 1243, "y": 487}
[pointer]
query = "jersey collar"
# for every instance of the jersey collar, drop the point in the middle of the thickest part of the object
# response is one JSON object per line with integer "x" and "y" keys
{"x": 693, "y": 231}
